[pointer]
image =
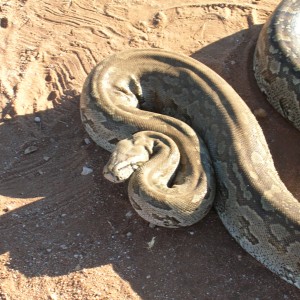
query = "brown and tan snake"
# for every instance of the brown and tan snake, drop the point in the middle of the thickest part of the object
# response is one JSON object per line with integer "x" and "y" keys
{"x": 187, "y": 140}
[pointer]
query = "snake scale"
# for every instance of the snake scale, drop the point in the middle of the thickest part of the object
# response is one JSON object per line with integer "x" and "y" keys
{"x": 187, "y": 141}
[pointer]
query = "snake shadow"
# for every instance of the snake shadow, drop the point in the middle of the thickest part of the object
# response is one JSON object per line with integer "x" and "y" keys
{"x": 55, "y": 221}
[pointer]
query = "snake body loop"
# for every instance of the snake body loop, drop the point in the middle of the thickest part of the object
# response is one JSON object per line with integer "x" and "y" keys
{"x": 277, "y": 60}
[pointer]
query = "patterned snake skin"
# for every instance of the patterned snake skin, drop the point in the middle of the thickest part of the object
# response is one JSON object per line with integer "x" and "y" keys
{"x": 187, "y": 140}
{"x": 277, "y": 60}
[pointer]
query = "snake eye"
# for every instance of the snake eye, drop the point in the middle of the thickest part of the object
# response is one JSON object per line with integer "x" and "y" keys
{"x": 113, "y": 141}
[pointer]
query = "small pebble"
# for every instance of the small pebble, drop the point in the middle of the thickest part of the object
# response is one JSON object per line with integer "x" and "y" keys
{"x": 129, "y": 214}
{"x": 30, "y": 149}
{"x": 46, "y": 158}
{"x": 37, "y": 119}
{"x": 151, "y": 225}
{"x": 87, "y": 141}
{"x": 151, "y": 243}
{"x": 160, "y": 19}
{"x": 129, "y": 234}
{"x": 86, "y": 171}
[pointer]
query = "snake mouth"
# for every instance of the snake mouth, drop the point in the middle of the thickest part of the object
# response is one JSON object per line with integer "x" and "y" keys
{"x": 119, "y": 172}
{"x": 111, "y": 177}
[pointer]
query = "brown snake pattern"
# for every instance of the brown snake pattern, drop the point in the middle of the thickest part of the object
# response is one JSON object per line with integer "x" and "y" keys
{"x": 277, "y": 60}
{"x": 180, "y": 124}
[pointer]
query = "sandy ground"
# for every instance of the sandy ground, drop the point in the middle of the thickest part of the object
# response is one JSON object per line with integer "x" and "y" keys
{"x": 68, "y": 236}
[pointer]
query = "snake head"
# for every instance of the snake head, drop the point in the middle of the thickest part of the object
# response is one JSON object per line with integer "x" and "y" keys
{"x": 127, "y": 157}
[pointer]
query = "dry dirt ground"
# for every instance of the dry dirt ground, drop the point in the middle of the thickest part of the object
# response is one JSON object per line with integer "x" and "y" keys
{"x": 68, "y": 236}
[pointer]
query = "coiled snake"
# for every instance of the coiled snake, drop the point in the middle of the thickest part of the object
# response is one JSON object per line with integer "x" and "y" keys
{"x": 178, "y": 123}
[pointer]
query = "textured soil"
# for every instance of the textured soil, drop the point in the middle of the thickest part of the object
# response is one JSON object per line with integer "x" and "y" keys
{"x": 64, "y": 235}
